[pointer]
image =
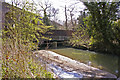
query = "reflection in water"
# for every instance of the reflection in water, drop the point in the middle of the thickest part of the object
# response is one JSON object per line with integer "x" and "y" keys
{"x": 103, "y": 61}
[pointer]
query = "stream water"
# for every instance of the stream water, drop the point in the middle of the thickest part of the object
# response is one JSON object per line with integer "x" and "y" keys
{"x": 106, "y": 62}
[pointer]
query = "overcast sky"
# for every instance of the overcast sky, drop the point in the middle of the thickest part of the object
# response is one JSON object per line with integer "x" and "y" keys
{"x": 60, "y": 4}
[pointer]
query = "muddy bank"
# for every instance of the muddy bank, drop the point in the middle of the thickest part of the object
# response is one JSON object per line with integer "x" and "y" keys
{"x": 69, "y": 66}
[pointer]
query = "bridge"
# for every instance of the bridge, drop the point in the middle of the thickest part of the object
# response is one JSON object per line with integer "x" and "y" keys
{"x": 58, "y": 37}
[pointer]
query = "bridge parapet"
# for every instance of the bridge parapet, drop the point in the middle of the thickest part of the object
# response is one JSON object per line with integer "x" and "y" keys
{"x": 60, "y": 38}
{"x": 59, "y": 35}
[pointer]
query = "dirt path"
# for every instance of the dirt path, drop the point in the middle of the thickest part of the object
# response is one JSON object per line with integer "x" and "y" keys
{"x": 71, "y": 65}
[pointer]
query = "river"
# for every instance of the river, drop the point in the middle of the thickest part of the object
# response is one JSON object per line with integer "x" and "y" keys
{"x": 105, "y": 62}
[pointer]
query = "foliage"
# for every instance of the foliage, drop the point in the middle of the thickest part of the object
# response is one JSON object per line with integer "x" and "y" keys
{"x": 19, "y": 63}
{"x": 81, "y": 17}
{"x": 100, "y": 28}
{"x": 116, "y": 32}
{"x": 46, "y": 21}
{"x": 80, "y": 37}
{"x": 22, "y": 27}
{"x": 45, "y": 6}
{"x": 102, "y": 15}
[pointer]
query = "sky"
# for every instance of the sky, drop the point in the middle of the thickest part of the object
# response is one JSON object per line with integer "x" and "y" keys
{"x": 61, "y": 4}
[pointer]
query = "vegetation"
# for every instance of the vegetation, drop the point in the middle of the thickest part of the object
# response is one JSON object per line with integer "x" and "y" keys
{"x": 24, "y": 28}
{"x": 45, "y": 7}
{"x": 101, "y": 28}
{"x": 46, "y": 21}
{"x": 22, "y": 31}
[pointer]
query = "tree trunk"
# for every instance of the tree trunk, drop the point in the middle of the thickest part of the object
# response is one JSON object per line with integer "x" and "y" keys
{"x": 66, "y": 18}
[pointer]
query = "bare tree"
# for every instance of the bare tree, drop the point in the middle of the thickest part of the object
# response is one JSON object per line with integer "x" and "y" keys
{"x": 55, "y": 12}
{"x": 71, "y": 14}
{"x": 66, "y": 18}
{"x": 71, "y": 10}
{"x": 44, "y": 7}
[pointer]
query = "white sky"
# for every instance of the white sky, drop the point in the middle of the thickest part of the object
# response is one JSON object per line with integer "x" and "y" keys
{"x": 60, "y": 4}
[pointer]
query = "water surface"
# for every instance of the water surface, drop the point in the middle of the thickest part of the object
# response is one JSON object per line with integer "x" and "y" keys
{"x": 106, "y": 62}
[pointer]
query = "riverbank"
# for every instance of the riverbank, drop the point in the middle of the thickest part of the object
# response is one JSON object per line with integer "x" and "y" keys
{"x": 95, "y": 50}
{"x": 70, "y": 65}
